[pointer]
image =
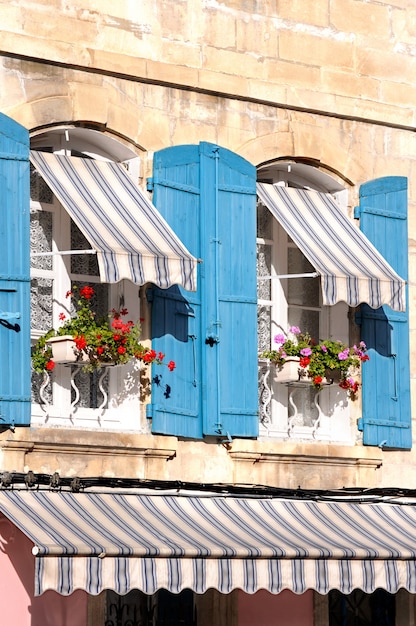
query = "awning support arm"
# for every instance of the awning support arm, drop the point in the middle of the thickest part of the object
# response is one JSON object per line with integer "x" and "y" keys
{"x": 307, "y": 275}
{"x": 63, "y": 252}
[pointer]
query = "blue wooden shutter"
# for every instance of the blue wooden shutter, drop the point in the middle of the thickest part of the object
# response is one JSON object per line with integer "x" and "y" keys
{"x": 207, "y": 194}
{"x": 386, "y": 417}
{"x": 14, "y": 275}
{"x": 176, "y": 313}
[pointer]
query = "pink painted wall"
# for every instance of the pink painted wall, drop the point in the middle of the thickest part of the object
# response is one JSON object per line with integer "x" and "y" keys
{"x": 283, "y": 609}
{"x": 18, "y": 606}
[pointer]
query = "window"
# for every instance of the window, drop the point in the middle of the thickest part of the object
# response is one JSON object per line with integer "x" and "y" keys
{"x": 361, "y": 609}
{"x": 161, "y": 609}
{"x": 70, "y": 396}
{"x": 297, "y": 412}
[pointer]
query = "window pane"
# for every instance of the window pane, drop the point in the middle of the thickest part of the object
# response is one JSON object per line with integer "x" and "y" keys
{"x": 41, "y": 304}
{"x": 306, "y": 320}
{"x": 264, "y": 222}
{"x": 39, "y": 190}
{"x": 301, "y": 291}
{"x": 264, "y": 268}
{"x": 82, "y": 263}
{"x": 41, "y": 238}
{"x": 264, "y": 326}
{"x": 361, "y": 609}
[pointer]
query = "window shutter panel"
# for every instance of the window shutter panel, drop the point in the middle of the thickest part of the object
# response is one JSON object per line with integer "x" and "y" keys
{"x": 14, "y": 275}
{"x": 176, "y": 313}
{"x": 386, "y": 420}
{"x": 208, "y": 196}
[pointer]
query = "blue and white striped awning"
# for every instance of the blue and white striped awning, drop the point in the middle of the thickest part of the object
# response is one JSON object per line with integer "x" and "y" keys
{"x": 131, "y": 238}
{"x": 148, "y": 541}
{"x": 351, "y": 268}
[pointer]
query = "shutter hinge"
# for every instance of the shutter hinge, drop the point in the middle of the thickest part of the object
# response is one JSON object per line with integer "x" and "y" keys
{"x": 150, "y": 183}
{"x": 8, "y": 315}
{"x": 357, "y": 212}
{"x": 150, "y": 408}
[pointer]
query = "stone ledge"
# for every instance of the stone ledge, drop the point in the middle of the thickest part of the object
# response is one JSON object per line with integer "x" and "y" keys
{"x": 45, "y": 450}
{"x": 306, "y": 465}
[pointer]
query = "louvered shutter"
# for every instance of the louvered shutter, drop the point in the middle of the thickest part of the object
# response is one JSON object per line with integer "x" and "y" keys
{"x": 207, "y": 194}
{"x": 386, "y": 419}
{"x": 14, "y": 275}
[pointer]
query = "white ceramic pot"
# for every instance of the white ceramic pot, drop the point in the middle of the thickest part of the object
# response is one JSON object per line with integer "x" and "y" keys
{"x": 291, "y": 372}
{"x": 63, "y": 349}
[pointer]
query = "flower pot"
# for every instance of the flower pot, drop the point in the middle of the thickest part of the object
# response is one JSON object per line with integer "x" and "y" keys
{"x": 63, "y": 350}
{"x": 291, "y": 372}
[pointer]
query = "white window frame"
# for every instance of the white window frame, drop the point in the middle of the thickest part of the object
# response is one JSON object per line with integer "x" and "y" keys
{"x": 124, "y": 409}
{"x": 334, "y": 423}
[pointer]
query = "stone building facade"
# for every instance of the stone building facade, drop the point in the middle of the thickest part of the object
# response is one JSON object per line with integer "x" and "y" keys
{"x": 328, "y": 86}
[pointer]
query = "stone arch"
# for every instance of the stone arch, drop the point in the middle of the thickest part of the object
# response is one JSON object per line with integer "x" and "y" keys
{"x": 326, "y": 144}
{"x": 89, "y": 106}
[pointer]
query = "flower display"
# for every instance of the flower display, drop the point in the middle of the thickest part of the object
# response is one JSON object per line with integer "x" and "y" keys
{"x": 318, "y": 359}
{"x": 97, "y": 341}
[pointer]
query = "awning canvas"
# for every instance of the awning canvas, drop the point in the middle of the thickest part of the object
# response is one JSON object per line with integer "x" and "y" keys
{"x": 131, "y": 238}
{"x": 130, "y": 540}
{"x": 351, "y": 268}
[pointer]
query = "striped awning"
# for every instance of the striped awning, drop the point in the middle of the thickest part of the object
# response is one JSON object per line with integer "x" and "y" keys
{"x": 351, "y": 268}
{"x": 131, "y": 238}
{"x": 149, "y": 541}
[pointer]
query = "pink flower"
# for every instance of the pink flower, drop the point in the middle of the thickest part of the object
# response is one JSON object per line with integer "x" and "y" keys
{"x": 343, "y": 356}
{"x": 280, "y": 339}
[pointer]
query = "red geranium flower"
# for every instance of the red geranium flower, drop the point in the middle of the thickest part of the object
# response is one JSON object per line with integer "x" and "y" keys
{"x": 86, "y": 292}
{"x": 80, "y": 342}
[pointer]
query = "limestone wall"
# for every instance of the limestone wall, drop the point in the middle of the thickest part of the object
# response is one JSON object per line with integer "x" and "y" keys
{"x": 329, "y": 80}
{"x": 352, "y": 58}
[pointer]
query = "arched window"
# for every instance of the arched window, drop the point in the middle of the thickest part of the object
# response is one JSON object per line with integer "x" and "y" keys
{"x": 71, "y": 396}
{"x": 297, "y": 412}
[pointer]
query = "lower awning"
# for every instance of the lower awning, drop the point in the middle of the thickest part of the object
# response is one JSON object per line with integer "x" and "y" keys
{"x": 351, "y": 268}
{"x": 131, "y": 238}
{"x": 129, "y": 540}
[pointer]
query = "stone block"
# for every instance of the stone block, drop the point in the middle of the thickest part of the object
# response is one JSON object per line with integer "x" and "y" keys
{"x": 231, "y": 62}
{"x": 349, "y": 84}
{"x": 316, "y": 50}
{"x": 404, "y": 25}
{"x": 304, "y": 11}
{"x": 258, "y": 36}
{"x": 86, "y": 97}
{"x": 181, "y": 54}
{"x": 386, "y": 65}
{"x": 219, "y": 82}
{"x": 173, "y": 74}
{"x": 287, "y": 73}
{"x": 367, "y": 18}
